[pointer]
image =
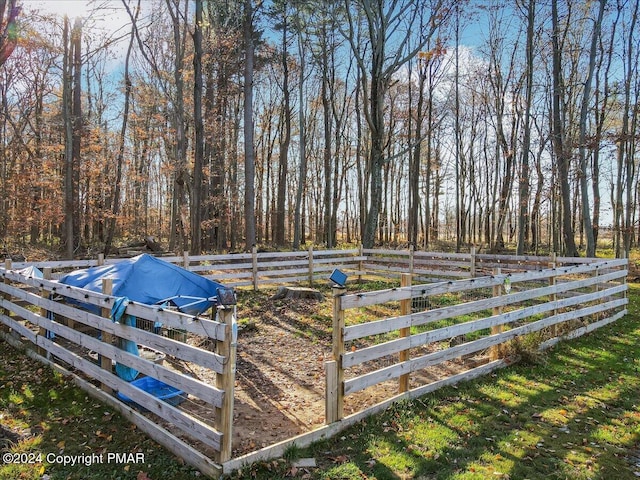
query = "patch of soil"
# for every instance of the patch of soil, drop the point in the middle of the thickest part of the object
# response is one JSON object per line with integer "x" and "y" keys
{"x": 280, "y": 377}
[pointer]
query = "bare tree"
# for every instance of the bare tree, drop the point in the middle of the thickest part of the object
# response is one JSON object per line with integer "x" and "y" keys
{"x": 388, "y": 29}
{"x": 8, "y": 28}
{"x": 249, "y": 153}
{"x": 582, "y": 141}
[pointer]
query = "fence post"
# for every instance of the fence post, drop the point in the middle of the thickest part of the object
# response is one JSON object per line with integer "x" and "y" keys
{"x": 405, "y": 309}
{"x": 494, "y": 352}
{"x": 472, "y": 267}
{"x": 254, "y": 267}
{"x": 360, "y": 263}
{"x": 226, "y": 380}
{"x": 100, "y": 259}
{"x": 411, "y": 261}
{"x": 185, "y": 260}
{"x": 334, "y": 404}
{"x": 311, "y": 265}
{"x": 6, "y": 311}
{"x": 105, "y": 362}
{"x": 46, "y": 274}
{"x": 553, "y": 329}
{"x": 331, "y": 394}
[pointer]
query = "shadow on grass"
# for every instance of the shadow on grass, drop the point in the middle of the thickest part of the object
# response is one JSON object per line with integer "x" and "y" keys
{"x": 50, "y": 421}
{"x": 576, "y": 415}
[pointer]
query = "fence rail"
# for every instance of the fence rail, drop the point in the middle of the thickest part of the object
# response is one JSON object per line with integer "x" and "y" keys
{"x": 520, "y": 304}
{"x": 258, "y": 269}
{"x": 47, "y": 315}
{"x": 448, "y": 307}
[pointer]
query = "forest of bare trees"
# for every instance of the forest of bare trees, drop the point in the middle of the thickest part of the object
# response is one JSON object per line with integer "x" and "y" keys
{"x": 217, "y": 125}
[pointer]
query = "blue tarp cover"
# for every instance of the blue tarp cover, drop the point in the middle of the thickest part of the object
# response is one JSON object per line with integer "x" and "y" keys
{"x": 147, "y": 279}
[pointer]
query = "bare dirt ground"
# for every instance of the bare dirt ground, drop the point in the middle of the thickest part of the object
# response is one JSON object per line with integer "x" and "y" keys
{"x": 280, "y": 379}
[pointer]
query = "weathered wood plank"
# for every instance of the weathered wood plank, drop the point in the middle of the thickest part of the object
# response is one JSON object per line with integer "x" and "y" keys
{"x": 163, "y": 344}
{"x": 16, "y": 325}
{"x": 397, "y": 294}
{"x": 189, "y": 454}
{"x": 387, "y": 325}
{"x": 305, "y": 439}
{"x": 380, "y": 350}
{"x": 185, "y": 422}
{"x": 169, "y": 318}
{"x": 394, "y": 371}
{"x": 191, "y": 385}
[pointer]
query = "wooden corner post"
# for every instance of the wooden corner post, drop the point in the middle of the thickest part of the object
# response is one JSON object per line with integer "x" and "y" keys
{"x": 226, "y": 380}
{"x": 553, "y": 329}
{"x": 405, "y": 309}
{"x": 6, "y": 311}
{"x": 105, "y": 362}
{"x": 472, "y": 266}
{"x": 494, "y": 352}
{"x": 311, "y": 265}
{"x": 334, "y": 395}
{"x": 46, "y": 274}
{"x": 254, "y": 267}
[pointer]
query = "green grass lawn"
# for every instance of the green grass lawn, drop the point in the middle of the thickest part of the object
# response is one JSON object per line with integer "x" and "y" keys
{"x": 45, "y": 421}
{"x": 575, "y": 414}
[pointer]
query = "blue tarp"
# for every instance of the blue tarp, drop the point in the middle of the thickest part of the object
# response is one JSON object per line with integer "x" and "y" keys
{"x": 147, "y": 279}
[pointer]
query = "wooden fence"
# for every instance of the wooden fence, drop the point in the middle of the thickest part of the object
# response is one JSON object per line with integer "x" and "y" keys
{"x": 46, "y": 314}
{"x": 484, "y": 305}
{"x": 480, "y": 314}
{"x": 311, "y": 266}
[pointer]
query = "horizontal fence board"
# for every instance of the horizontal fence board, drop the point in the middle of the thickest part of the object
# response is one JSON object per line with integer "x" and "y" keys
{"x": 361, "y": 382}
{"x": 300, "y": 253}
{"x": 185, "y": 422}
{"x": 337, "y": 253}
{"x": 441, "y": 263}
{"x": 173, "y": 319}
{"x": 156, "y": 432}
{"x": 339, "y": 261}
{"x": 274, "y": 280}
{"x": 378, "y": 327}
{"x": 404, "y": 293}
{"x": 217, "y": 268}
{"x": 229, "y": 257}
{"x": 441, "y": 273}
{"x": 229, "y": 275}
{"x": 18, "y": 327}
{"x": 191, "y": 385}
{"x": 374, "y": 352}
{"x": 275, "y": 266}
{"x": 385, "y": 252}
{"x": 166, "y": 345}
{"x": 578, "y": 332}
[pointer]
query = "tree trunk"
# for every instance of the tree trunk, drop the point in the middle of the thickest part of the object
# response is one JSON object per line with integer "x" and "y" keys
{"x": 198, "y": 160}
{"x": 249, "y": 155}
{"x": 115, "y": 202}
{"x": 582, "y": 149}
{"x": 562, "y": 157}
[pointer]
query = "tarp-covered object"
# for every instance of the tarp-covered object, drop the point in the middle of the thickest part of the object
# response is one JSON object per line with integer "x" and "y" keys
{"x": 147, "y": 279}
